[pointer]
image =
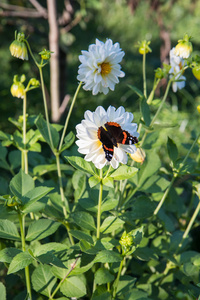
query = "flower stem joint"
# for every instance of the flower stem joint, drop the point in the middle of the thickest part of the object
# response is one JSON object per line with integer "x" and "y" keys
{"x": 18, "y": 47}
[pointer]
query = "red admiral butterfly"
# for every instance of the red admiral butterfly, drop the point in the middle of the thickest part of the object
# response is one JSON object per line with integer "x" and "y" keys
{"x": 112, "y": 134}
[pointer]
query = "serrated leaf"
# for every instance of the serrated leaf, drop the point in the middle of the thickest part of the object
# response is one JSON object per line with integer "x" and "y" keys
{"x": 21, "y": 184}
{"x": 73, "y": 287}
{"x": 2, "y": 291}
{"x": 172, "y": 149}
{"x": 19, "y": 262}
{"x": 110, "y": 224}
{"x": 81, "y": 164}
{"x": 107, "y": 256}
{"x": 43, "y": 280}
{"x": 84, "y": 220}
{"x": 69, "y": 140}
{"x": 103, "y": 276}
{"x": 43, "y": 128}
{"x": 8, "y": 230}
{"x": 79, "y": 184}
{"x": 80, "y": 235}
{"x": 7, "y": 254}
{"x": 40, "y": 229}
{"x": 145, "y": 112}
{"x": 124, "y": 172}
{"x": 34, "y": 195}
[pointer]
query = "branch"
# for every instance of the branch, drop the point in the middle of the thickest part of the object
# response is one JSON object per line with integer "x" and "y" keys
{"x": 64, "y": 104}
{"x": 19, "y": 11}
{"x": 40, "y": 8}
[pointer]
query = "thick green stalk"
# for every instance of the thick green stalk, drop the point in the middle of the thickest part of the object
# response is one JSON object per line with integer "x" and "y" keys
{"x": 27, "y": 275}
{"x": 99, "y": 206}
{"x": 117, "y": 279}
{"x": 190, "y": 224}
{"x": 69, "y": 115}
{"x": 144, "y": 75}
{"x": 25, "y": 151}
{"x": 60, "y": 183}
{"x": 45, "y": 106}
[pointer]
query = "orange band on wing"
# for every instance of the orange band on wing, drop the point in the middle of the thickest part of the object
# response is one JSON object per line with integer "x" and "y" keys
{"x": 125, "y": 137}
{"x": 108, "y": 149}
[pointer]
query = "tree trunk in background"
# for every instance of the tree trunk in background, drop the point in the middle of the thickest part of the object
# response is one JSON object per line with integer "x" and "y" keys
{"x": 54, "y": 61}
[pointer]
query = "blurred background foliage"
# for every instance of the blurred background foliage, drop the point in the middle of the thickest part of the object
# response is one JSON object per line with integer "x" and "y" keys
{"x": 124, "y": 21}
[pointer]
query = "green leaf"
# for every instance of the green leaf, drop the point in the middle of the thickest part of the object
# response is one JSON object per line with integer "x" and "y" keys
{"x": 2, "y": 291}
{"x": 43, "y": 128}
{"x": 43, "y": 169}
{"x": 103, "y": 276}
{"x": 8, "y": 230}
{"x": 124, "y": 172}
{"x": 108, "y": 181}
{"x": 145, "y": 112}
{"x": 40, "y": 229}
{"x": 19, "y": 262}
{"x": 136, "y": 90}
{"x": 155, "y": 184}
{"x": 80, "y": 235}
{"x": 14, "y": 158}
{"x": 43, "y": 280}
{"x": 110, "y": 224}
{"x": 81, "y": 164}
{"x": 7, "y": 254}
{"x": 79, "y": 184}
{"x": 101, "y": 293}
{"x": 69, "y": 140}
{"x": 21, "y": 184}
{"x": 109, "y": 204}
{"x": 126, "y": 284}
{"x": 34, "y": 195}
{"x": 94, "y": 180}
{"x": 73, "y": 287}
{"x": 107, "y": 256}
{"x": 84, "y": 220}
{"x": 137, "y": 209}
{"x": 172, "y": 149}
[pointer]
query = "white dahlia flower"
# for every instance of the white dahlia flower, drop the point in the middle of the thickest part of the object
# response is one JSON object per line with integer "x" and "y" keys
{"x": 100, "y": 68}
{"x": 177, "y": 63}
{"x": 105, "y": 136}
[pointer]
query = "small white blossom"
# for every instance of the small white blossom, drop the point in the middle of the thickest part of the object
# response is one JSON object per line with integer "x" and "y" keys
{"x": 177, "y": 64}
{"x": 100, "y": 68}
{"x": 99, "y": 143}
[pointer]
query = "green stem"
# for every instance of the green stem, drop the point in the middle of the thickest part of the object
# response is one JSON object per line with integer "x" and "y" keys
{"x": 164, "y": 196}
{"x": 69, "y": 115}
{"x": 25, "y": 152}
{"x": 162, "y": 102}
{"x": 190, "y": 224}
{"x": 61, "y": 282}
{"x": 27, "y": 275}
{"x": 60, "y": 183}
{"x": 99, "y": 206}
{"x": 144, "y": 75}
{"x": 45, "y": 105}
{"x": 117, "y": 279}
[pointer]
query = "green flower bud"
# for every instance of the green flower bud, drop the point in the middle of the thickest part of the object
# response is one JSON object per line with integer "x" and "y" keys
{"x": 45, "y": 54}
{"x": 144, "y": 47}
{"x": 18, "y": 47}
{"x": 17, "y": 89}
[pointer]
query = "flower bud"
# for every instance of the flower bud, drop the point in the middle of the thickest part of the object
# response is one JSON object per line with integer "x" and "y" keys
{"x": 144, "y": 47}
{"x": 45, "y": 54}
{"x": 17, "y": 89}
{"x": 184, "y": 47}
{"x": 126, "y": 242}
{"x": 198, "y": 108}
{"x": 18, "y": 47}
{"x": 139, "y": 155}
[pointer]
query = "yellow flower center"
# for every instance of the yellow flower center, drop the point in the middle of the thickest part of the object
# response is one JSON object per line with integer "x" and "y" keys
{"x": 105, "y": 69}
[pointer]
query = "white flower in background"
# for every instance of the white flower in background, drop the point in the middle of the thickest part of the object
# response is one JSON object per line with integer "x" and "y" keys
{"x": 100, "y": 68}
{"x": 177, "y": 64}
{"x": 106, "y": 136}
